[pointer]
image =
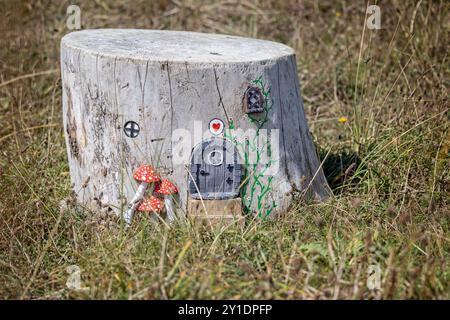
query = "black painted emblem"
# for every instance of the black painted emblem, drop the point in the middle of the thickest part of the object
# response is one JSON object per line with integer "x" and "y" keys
{"x": 131, "y": 129}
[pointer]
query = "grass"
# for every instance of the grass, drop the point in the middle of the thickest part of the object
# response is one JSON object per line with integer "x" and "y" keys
{"x": 388, "y": 163}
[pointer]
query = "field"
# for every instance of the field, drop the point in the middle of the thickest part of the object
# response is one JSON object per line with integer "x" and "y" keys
{"x": 378, "y": 107}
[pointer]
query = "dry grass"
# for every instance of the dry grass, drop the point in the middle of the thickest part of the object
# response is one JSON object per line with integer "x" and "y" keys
{"x": 389, "y": 163}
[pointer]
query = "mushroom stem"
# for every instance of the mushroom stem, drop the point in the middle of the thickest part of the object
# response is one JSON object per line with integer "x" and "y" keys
{"x": 169, "y": 209}
{"x": 128, "y": 215}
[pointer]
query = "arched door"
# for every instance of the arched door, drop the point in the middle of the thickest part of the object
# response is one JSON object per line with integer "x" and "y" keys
{"x": 214, "y": 170}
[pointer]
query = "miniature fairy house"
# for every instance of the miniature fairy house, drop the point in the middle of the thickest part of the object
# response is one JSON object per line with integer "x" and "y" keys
{"x": 220, "y": 116}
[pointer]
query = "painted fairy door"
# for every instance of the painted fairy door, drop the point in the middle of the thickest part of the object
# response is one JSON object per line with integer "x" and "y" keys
{"x": 214, "y": 170}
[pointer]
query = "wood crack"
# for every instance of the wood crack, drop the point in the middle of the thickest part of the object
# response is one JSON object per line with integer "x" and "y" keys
{"x": 220, "y": 96}
{"x": 171, "y": 112}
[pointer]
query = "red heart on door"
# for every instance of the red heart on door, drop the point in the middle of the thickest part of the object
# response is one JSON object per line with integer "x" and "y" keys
{"x": 216, "y": 126}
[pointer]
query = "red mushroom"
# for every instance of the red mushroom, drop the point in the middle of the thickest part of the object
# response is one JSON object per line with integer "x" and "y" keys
{"x": 167, "y": 188}
{"x": 151, "y": 204}
{"x": 145, "y": 174}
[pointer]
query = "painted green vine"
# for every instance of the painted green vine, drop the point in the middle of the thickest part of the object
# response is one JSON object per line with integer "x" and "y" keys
{"x": 254, "y": 189}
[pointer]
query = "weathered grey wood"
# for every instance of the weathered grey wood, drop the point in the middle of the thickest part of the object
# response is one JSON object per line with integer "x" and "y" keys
{"x": 167, "y": 80}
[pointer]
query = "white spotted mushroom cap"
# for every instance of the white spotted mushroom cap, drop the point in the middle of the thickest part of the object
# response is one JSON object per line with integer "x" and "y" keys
{"x": 146, "y": 173}
{"x": 151, "y": 204}
{"x": 166, "y": 187}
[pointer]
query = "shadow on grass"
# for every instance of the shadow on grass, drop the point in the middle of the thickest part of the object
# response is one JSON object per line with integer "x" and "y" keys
{"x": 339, "y": 167}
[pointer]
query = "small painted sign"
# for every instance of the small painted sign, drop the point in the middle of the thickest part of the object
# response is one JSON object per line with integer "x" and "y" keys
{"x": 216, "y": 126}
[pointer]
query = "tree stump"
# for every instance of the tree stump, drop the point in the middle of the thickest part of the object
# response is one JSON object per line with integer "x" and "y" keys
{"x": 220, "y": 116}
